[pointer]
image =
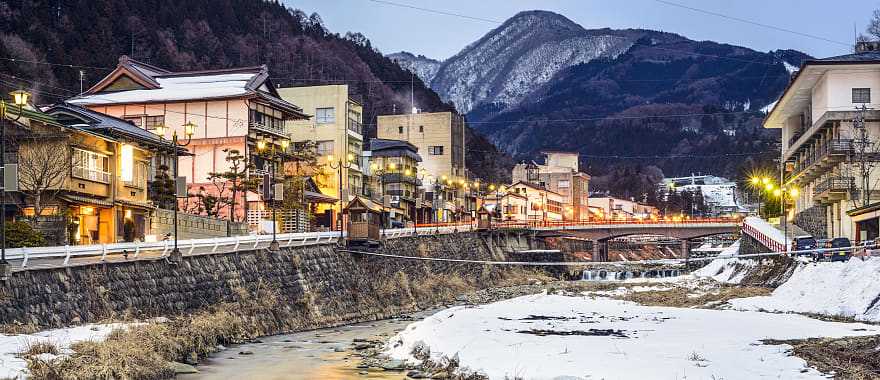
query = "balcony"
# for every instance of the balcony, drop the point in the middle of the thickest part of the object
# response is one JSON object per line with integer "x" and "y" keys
{"x": 268, "y": 128}
{"x": 398, "y": 178}
{"x": 833, "y": 189}
{"x": 821, "y": 158}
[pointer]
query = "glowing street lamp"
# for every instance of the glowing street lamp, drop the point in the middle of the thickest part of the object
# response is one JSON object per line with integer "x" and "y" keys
{"x": 20, "y": 99}
{"x": 188, "y": 131}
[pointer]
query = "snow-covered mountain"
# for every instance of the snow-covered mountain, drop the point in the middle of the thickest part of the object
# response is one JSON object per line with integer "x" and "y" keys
{"x": 526, "y": 51}
{"x": 424, "y": 67}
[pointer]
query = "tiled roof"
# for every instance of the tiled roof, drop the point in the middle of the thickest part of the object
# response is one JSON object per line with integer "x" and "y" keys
{"x": 101, "y": 123}
{"x": 867, "y": 56}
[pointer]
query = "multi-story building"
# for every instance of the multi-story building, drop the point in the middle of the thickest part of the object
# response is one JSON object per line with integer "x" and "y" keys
{"x": 440, "y": 139}
{"x": 610, "y": 208}
{"x": 337, "y": 132}
{"x": 507, "y": 205}
{"x": 394, "y": 171}
{"x": 232, "y": 109}
{"x": 560, "y": 173}
{"x": 86, "y": 168}
{"x": 825, "y": 135}
{"x": 542, "y": 205}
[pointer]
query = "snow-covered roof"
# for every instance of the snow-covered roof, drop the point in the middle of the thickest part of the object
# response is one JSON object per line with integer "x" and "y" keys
{"x": 176, "y": 88}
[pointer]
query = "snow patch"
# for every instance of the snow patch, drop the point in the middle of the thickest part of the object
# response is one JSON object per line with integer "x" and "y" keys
{"x": 550, "y": 336}
{"x": 14, "y": 367}
{"x": 846, "y": 289}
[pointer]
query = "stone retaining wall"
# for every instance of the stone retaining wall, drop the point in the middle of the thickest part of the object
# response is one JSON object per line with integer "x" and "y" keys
{"x": 191, "y": 226}
{"x": 325, "y": 286}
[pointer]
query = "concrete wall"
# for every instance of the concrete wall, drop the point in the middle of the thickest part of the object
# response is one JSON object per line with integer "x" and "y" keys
{"x": 317, "y": 285}
{"x": 190, "y": 226}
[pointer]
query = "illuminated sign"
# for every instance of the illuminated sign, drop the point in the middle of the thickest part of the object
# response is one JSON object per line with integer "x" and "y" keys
{"x": 126, "y": 166}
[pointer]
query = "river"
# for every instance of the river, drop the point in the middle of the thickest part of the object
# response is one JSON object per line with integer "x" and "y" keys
{"x": 317, "y": 354}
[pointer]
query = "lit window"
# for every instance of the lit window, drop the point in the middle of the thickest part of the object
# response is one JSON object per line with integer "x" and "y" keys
{"x": 325, "y": 115}
{"x": 91, "y": 166}
{"x": 861, "y": 95}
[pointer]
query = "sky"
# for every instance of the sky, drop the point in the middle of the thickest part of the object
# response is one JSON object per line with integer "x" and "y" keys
{"x": 392, "y": 28}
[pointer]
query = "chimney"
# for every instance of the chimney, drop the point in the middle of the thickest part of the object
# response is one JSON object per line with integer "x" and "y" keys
{"x": 866, "y": 46}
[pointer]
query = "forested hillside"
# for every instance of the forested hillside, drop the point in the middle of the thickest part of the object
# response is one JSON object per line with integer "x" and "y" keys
{"x": 45, "y": 46}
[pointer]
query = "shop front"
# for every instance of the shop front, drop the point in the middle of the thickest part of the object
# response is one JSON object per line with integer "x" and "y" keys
{"x": 866, "y": 221}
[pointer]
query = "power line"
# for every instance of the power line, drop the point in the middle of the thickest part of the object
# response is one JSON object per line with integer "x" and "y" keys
{"x": 436, "y": 11}
{"x": 742, "y": 20}
{"x": 55, "y": 64}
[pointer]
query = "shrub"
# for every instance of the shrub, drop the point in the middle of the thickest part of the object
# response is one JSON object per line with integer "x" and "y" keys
{"x": 21, "y": 234}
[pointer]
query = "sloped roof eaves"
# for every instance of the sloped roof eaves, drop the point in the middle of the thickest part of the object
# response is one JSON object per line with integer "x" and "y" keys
{"x": 109, "y": 125}
{"x": 41, "y": 117}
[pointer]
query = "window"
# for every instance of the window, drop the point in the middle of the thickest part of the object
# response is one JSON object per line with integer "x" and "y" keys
{"x": 563, "y": 184}
{"x": 91, "y": 166}
{"x": 436, "y": 150}
{"x": 323, "y": 148}
{"x": 139, "y": 177}
{"x": 325, "y": 115}
{"x": 400, "y": 130}
{"x": 151, "y": 122}
{"x": 136, "y": 120}
{"x": 861, "y": 95}
{"x": 421, "y": 128}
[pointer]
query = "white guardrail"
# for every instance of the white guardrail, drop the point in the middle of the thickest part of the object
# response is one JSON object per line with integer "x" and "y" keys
{"x": 64, "y": 254}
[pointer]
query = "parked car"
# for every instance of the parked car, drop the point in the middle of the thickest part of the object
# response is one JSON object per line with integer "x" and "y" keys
{"x": 803, "y": 243}
{"x": 842, "y": 255}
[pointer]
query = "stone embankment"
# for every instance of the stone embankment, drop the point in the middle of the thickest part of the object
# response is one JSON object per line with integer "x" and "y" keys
{"x": 316, "y": 286}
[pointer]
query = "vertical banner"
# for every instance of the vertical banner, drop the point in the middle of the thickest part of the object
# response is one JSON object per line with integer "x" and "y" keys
{"x": 126, "y": 164}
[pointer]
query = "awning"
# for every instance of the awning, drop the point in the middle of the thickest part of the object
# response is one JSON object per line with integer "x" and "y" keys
{"x": 313, "y": 197}
{"x": 86, "y": 200}
{"x": 135, "y": 204}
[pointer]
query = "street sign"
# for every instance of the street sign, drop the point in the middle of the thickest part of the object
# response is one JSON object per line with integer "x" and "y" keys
{"x": 278, "y": 192}
{"x": 10, "y": 177}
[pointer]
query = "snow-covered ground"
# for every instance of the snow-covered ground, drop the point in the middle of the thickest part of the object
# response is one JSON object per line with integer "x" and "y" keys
{"x": 849, "y": 289}
{"x": 612, "y": 339}
{"x": 14, "y": 367}
{"x": 727, "y": 270}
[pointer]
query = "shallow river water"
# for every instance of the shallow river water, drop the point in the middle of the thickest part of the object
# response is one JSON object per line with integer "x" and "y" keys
{"x": 300, "y": 356}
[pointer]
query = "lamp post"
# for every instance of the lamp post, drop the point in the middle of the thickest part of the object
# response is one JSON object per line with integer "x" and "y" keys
{"x": 188, "y": 131}
{"x": 272, "y": 154}
{"x": 339, "y": 165}
{"x": 420, "y": 176}
{"x": 20, "y": 99}
{"x": 784, "y": 194}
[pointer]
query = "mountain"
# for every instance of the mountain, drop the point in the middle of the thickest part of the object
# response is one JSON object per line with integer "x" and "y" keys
{"x": 630, "y": 97}
{"x": 425, "y": 68}
{"x": 46, "y": 47}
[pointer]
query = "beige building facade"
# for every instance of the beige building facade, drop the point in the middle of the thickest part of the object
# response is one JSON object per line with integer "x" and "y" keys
{"x": 440, "y": 139}
{"x": 560, "y": 173}
{"x": 822, "y": 141}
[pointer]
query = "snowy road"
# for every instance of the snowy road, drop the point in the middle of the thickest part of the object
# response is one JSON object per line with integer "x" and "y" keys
{"x": 548, "y": 336}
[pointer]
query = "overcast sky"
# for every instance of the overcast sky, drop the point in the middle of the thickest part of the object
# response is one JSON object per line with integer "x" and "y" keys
{"x": 394, "y": 28}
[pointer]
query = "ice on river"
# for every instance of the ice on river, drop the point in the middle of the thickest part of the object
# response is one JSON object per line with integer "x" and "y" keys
{"x": 548, "y": 336}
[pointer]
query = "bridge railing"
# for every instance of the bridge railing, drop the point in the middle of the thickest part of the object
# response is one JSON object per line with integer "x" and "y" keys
{"x": 68, "y": 254}
{"x": 766, "y": 234}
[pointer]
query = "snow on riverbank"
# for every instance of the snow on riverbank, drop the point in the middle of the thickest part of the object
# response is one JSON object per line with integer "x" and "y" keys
{"x": 14, "y": 367}
{"x": 545, "y": 336}
{"x": 848, "y": 289}
{"x": 727, "y": 271}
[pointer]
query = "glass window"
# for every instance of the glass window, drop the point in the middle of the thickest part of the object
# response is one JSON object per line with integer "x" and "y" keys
{"x": 323, "y": 148}
{"x": 421, "y": 128}
{"x": 436, "y": 150}
{"x": 861, "y": 95}
{"x": 139, "y": 178}
{"x": 325, "y": 115}
{"x": 400, "y": 130}
{"x": 151, "y": 122}
{"x": 91, "y": 166}
{"x": 563, "y": 184}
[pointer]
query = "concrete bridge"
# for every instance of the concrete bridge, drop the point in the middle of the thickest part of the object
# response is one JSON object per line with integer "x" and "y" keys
{"x": 601, "y": 233}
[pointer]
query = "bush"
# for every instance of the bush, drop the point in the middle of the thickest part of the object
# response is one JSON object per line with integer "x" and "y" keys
{"x": 21, "y": 234}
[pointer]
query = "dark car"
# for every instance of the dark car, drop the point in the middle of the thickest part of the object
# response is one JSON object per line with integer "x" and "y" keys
{"x": 803, "y": 243}
{"x": 841, "y": 255}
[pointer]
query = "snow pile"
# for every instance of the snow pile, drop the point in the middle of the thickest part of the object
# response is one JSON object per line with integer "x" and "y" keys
{"x": 728, "y": 271}
{"x": 14, "y": 367}
{"x": 848, "y": 289}
{"x": 550, "y": 336}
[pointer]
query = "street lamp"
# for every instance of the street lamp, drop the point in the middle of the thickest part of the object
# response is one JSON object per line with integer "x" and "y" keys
{"x": 20, "y": 99}
{"x": 188, "y": 131}
{"x": 267, "y": 149}
{"x": 339, "y": 165}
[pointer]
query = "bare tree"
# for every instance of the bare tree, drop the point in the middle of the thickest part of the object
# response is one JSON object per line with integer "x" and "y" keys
{"x": 44, "y": 163}
{"x": 862, "y": 160}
